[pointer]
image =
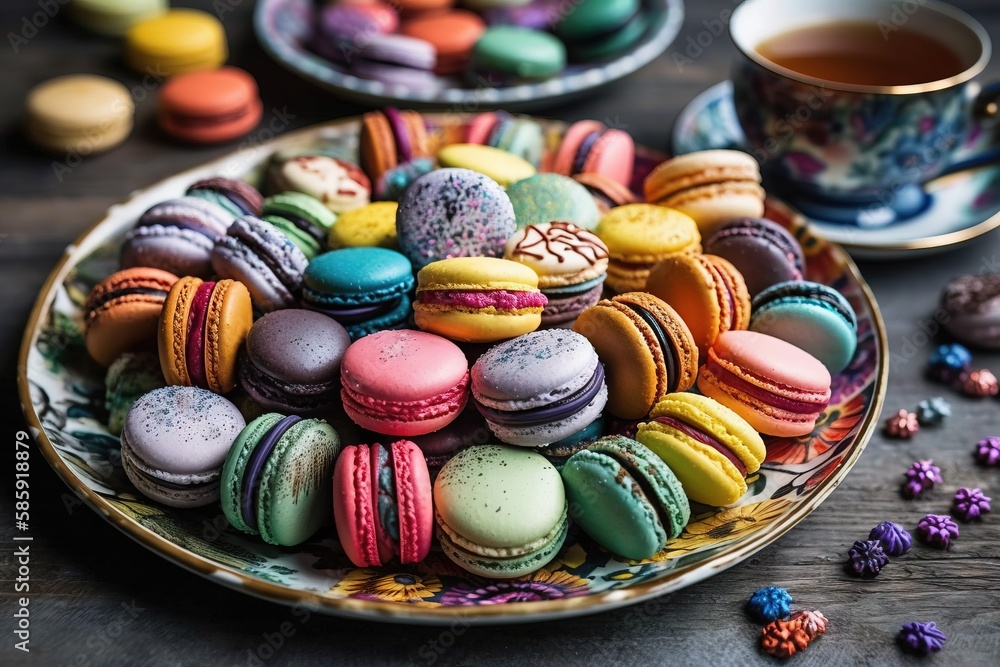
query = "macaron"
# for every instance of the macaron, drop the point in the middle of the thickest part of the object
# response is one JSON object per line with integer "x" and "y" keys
{"x": 501, "y": 512}
{"x": 364, "y": 289}
{"x": 778, "y": 388}
{"x": 523, "y": 13}
{"x": 453, "y": 213}
{"x": 478, "y": 299}
{"x": 706, "y": 291}
{"x": 713, "y": 187}
{"x": 303, "y": 219}
{"x": 292, "y": 361}
{"x": 590, "y": 146}
{"x": 647, "y": 351}
{"x": 509, "y": 55}
{"x": 391, "y": 185}
{"x": 396, "y": 61}
{"x": 418, "y": 7}
{"x": 640, "y": 236}
{"x": 972, "y": 304}
{"x": 78, "y": 114}
{"x": 129, "y": 376}
{"x": 201, "y": 331}
{"x": 177, "y": 41}
{"x": 210, "y": 106}
{"x": 113, "y": 17}
{"x": 174, "y": 444}
{"x": 598, "y": 29}
{"x": 503, "y": 167}
{"x": 607, "y": 192}
{"x": 404, "y": 383}
{"x": 545, "y": 198}
{"x": 373, "y": 225}
{"x": 177, "y": 235}
{"x": 383, "y": 504}
{"x": 391, "y": 137}
{"x": 237, "y": 197}
{"x": 764, "y": 252}
{"x": 709, "y": 447}
{"x": 451, "y": 33}
{"x": 277, "y": 478}
{"x": 518, "y": 135}
{"x": 560, "y": 451}
{"x": 811, "y": 316}
{"x": 625, "y": 497}
{"x": 439, "y": 447}
{"x": 571, "y": 264}
{"x": 540, "y": 387}
{"x": 338, "y": 184}
{"x": 123, "y": 310}
{"x": 262, "y": 258}
{"x": 348, "y": 21}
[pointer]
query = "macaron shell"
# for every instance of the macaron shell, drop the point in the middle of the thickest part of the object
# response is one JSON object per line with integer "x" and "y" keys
{"x": 226, "y": 327}
{"x": 127, "y": 320}
{"x": 480, "y": 128}
{"x": 475, "y": 326}
{"x": 812, "y": 326}
{"x": 185, "y": 497}
{"x": 716, "y": 204}
{"x": 503, "y": 167}
{"x": 353, "y": 507}
{"x": 544, "y": 434}
{"x": 613, "y": 155}
{"x": 357, "y": 276}
{"x": 212, "y": 133}
{"x": 571, "y": 141}
{"x": 465, "y": 273}
{"x": 231, "y": 492}
{"x": 172, "y": 331}
{"x": 373, "y": 225}
{"x": 546, "y": 198}
{"x": 414, "y": 498}
{"x": 638, "y": 233}
{"x": 707, "y": 476}
{"x": 493, "y": 567}
{"x": 698, "y": 169}
{"x": 377, "y": 145}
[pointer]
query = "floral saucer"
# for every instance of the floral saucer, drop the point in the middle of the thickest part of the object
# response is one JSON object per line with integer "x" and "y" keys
{"x": 964, "y": 205}
{"x": 62, "y": 394}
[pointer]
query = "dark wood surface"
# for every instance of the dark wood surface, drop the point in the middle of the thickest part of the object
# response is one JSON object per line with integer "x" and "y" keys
{"x": 97, "y": 598}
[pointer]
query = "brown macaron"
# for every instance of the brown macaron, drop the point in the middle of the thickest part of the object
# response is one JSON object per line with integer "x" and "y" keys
{"x": 123, "y": 310}
{"x": 707, "y": 292}
{"x": 607, "y": 192}
{"x": 647, "y": 351}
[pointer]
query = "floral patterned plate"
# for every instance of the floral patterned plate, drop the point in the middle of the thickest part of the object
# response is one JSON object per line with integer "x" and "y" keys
{"x": 964, "y": 205}
{"x": 62, "y": 394}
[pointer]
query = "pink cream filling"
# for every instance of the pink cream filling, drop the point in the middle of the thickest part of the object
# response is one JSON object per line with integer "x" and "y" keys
{"x": 763, "y": 395}
{"x": 703, "y": 438}
{"x": 195, "y": 351}
{"x": 500, "y": 299}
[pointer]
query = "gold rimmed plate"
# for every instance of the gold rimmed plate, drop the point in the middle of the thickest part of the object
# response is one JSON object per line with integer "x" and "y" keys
{"x": 62, "y": 394}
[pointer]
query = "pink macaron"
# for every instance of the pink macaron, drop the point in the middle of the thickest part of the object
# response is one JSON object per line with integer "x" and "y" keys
{"x": 404, "y": 383}
{"x": 776, "y": 387}
{"x": 383, "y": 503}
{"x": 590, "y": 147}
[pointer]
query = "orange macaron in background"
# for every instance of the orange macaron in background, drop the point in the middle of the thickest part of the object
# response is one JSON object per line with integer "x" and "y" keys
{"x": 210, "y": 106}
{"x": 452, "y": 33}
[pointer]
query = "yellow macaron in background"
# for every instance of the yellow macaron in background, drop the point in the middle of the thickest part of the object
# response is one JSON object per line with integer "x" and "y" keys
{"x": 79, "y": 114}
{"x": 181, "y": 40}
{"x": 372, "y": 225}
{"x": 503, "y": 167}
{"x": 114, "y": 17}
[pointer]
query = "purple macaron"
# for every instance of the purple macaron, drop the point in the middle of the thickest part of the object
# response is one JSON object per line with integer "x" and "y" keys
{"x": 763, "y": 251}
{"x": 539, "y": 388}
{"x": 453, "y": 213}
{"x": 972, "y": 303}
{"x": 177, "y": 235}
{"x": 292, "y": 361}
{"x": 238, "y": 197}
{"x": 175, "y": 441}
{"x": 255, "y": 253}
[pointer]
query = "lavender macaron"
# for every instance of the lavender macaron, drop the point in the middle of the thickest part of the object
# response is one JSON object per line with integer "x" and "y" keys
{"x": 763, "y": 251}
{"x": 453, "y": 213}
{"x": 237, "y": 197}
{"x": 539, "y": 388}
{"x": 292, "y": 361}
{"x": 177, "y": 235}
{"x": 255, "y": 253}
{"x": 175, "y": 441}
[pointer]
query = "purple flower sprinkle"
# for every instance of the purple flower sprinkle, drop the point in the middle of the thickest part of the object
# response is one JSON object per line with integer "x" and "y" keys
{"x": 937, "y": 530}
{"x": 894, "y": 539}
{"x": 971, "y": 504}
{"x": 988, "y": 451}
{"x": 920, "y": 637}
{"x": 920, "y": 477}
{"x": 867, "y": 558}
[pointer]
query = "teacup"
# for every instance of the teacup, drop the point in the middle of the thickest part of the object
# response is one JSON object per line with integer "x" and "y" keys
{"x": 856, "y": 153}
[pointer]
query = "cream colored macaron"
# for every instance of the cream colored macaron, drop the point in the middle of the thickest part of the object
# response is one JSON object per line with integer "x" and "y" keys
{"x": 78, "y": 113}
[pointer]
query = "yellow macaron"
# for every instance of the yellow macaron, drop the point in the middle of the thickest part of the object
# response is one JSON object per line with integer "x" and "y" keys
{"x": 181, "y": 40}
{"x": 370, "y": 226}
{"x": 478, "y": 299}
{"x": 503, "y": 167}
{"x": 79, "y": 114}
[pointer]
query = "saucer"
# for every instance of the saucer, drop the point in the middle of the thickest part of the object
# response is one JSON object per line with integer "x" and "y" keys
{"x": 963, "y": 206}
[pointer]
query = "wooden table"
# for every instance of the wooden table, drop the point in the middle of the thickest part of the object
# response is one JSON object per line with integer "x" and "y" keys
{"x": 97, "y": 598}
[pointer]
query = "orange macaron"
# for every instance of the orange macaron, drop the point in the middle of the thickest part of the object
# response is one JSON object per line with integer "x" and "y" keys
{"x": 452, "y": 33}
{"x": 210, "y": 106}
{"x": 391, "y": 137}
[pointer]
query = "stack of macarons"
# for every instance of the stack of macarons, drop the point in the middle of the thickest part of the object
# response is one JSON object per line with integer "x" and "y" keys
{"x": 461, "y": 366}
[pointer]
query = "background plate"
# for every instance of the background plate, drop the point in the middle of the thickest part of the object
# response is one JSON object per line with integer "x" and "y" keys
{"x": 62, "y": 393}
{"x": 283, "y": 25}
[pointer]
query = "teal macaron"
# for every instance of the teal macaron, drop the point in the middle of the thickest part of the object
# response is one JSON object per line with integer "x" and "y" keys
{"x": 278, "y": 476}
{"x": 302, "y": 218}
{"x": 500, "y": 511}
{"x": 365, "y": 289}
{"x": 625, "y": 497}
{"x": 548, "y": 197}
{"x": 811, "y": 316}
{"x": 598, "y": 29}
{"x": 509, "y": 54}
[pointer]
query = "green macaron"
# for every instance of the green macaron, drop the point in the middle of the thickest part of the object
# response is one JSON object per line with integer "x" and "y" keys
{"x": 544, "y": 198}
{"x": 511, "y": 52}
{"x": 277, "y": 479}
{"x": 302, "y": 218}
{"x": 130, "y": 376}
{"x": 598, "y": 29}
{"x": 625, "y": 497}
